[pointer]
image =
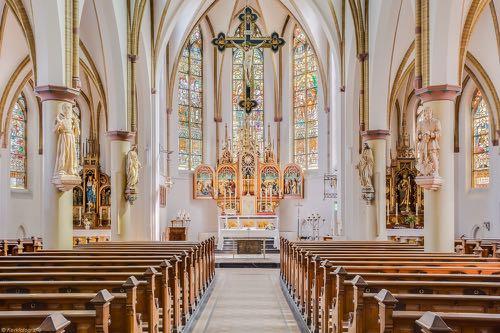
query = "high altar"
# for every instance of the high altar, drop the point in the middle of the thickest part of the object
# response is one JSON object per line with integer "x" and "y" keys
{"x": 248, "y": 188}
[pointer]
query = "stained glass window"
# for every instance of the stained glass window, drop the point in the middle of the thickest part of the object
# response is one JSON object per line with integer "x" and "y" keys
{"x": 18, "y": 158}
{"x": 191, "y": 102}
{"x": 480, "y": 142}
{"x": 256, "y": 118}
{"x": 305, "y": 104}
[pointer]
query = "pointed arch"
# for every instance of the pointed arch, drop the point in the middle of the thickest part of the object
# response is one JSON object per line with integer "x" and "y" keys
{"x": 190, "y": 102}
{"x": 305, "y": 101}
{"x": 18, "y": 144}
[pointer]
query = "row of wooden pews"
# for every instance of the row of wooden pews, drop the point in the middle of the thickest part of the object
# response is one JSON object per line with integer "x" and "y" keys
{"x": 364, "y": 287}
{"x": 16, "y": 246}
{"x": 106, "y": 287}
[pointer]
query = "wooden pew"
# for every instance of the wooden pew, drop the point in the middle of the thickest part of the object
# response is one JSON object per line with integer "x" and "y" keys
{"x": 111, "y": 262}
{"x": 311, "y": 272}
{"x": 91, "y": 321}
{"x": 17, "y": 246}
{"x": 363, "y": 317}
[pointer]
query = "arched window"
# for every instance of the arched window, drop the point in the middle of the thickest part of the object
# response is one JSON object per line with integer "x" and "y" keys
{"x": 256, "y": 118}
{"x": 480, "y": 142}
{"x": 305, "y": 102}
{"x": 18, "y": 138}
{"x": 191, "y": 102}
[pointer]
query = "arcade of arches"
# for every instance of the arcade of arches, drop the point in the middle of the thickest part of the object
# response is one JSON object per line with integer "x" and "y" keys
{"x": 383, "y": 117}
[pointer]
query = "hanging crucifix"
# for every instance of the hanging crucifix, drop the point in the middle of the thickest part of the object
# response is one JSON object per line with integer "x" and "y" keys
{"x": 247, "y": 44}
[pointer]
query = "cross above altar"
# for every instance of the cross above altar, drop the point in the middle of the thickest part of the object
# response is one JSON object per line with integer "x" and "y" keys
{"x": 247, "y": 43}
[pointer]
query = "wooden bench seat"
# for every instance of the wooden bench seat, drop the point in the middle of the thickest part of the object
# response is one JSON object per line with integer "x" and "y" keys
{"x": 322, "y": 278}
{"x": 116, "y": 306}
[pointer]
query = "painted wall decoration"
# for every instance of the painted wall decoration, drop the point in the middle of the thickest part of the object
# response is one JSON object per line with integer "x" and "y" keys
{"x": 293, "y": 181}
{"x": 203, "y": 182}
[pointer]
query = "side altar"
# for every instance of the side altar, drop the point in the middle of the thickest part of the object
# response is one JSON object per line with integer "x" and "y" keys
{"x": 248, "y": 187}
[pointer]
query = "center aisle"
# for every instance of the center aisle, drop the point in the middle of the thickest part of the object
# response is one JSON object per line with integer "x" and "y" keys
{"x": 246, "y": 300}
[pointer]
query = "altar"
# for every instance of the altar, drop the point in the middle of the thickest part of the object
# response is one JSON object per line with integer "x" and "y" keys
{"x": 248, "y": 226}
{"x": 248, "y": 186}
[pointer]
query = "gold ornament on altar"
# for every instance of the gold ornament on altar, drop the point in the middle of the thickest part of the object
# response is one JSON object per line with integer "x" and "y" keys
{"x": 404, "y": 199}
{"x": 92, "y": 196}
{"x": 250, "y": 183}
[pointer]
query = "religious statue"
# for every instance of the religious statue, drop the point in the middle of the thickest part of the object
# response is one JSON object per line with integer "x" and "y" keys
{"x": 132, "y": 171}
{"x": 365, "y": 167}
{"x": 428, "y": 134}
{"x": 404, "y": 190}
{"x": 90, "y": 191}
{"x": 67, "y": 128}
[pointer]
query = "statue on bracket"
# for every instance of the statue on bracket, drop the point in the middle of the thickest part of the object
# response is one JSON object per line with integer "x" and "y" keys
{"x": 365, "y": 171}
{"x": 66, "y": 127}
{"x": 428, "y": 135}
{"x": 132, "y": 171}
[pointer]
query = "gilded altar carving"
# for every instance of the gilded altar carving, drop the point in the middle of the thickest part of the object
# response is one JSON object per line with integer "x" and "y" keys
{"x": 404, "y": 199}
{"x": 92, "y": 197}
{"x": 246, "y": 183}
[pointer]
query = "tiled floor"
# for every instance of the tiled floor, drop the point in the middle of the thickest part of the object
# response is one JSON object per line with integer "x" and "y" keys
{"x": 246, "y": 300}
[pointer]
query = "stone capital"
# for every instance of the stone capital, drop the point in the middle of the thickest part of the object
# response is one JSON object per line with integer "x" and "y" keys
{"x": 121, "y": 135}
{"x": 375, "y": 135}
{"x": 57, "y": 93}
{"x": 443, "y": 92}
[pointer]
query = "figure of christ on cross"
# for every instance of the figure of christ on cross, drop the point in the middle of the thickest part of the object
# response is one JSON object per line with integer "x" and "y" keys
{"x": 247, "y": 44}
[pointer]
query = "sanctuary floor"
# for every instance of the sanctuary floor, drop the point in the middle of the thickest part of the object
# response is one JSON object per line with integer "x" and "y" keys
{"x": 246, "y": 300}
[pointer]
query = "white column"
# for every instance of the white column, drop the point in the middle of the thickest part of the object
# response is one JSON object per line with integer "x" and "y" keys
{"x": 494, "y": 189}
{"x": 121, "y": 224}
{"x": 57, "y": 201}
{"x": 4, "y": 191}
{"x": 439, "y": 195}
{"x": 376, "y": 210}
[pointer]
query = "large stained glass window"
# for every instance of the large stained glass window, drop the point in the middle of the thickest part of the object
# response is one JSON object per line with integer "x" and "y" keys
{"x": 305, "y": 104}
{"x": 191, "y": 102}
{"x": 256, "y": 118}
{"x": 480, "y": 142}
{"x": 18, "y": 158}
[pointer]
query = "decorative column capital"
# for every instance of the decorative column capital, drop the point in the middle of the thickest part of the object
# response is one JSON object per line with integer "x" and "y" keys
{"x": 57, "y": 93}
{"x": 443, "y": 92}
{"x": 121, "y": 135}
{"x": 375, "y": 134}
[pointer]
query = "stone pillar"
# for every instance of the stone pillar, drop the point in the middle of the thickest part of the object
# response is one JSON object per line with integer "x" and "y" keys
{"x": 4, "y": 190}
{"x": 439, "y": 192}
{"x": 121, "y": 224}
{"x": 57, "y": 192}
{"x": 494, "y": 187}
{"x": 376, "y": 210}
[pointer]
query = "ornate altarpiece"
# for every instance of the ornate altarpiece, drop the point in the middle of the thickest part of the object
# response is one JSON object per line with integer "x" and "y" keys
{"x": 404, "y": 198}
{"x": 250, "y": 184}
{"x": 92, "y": 198}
